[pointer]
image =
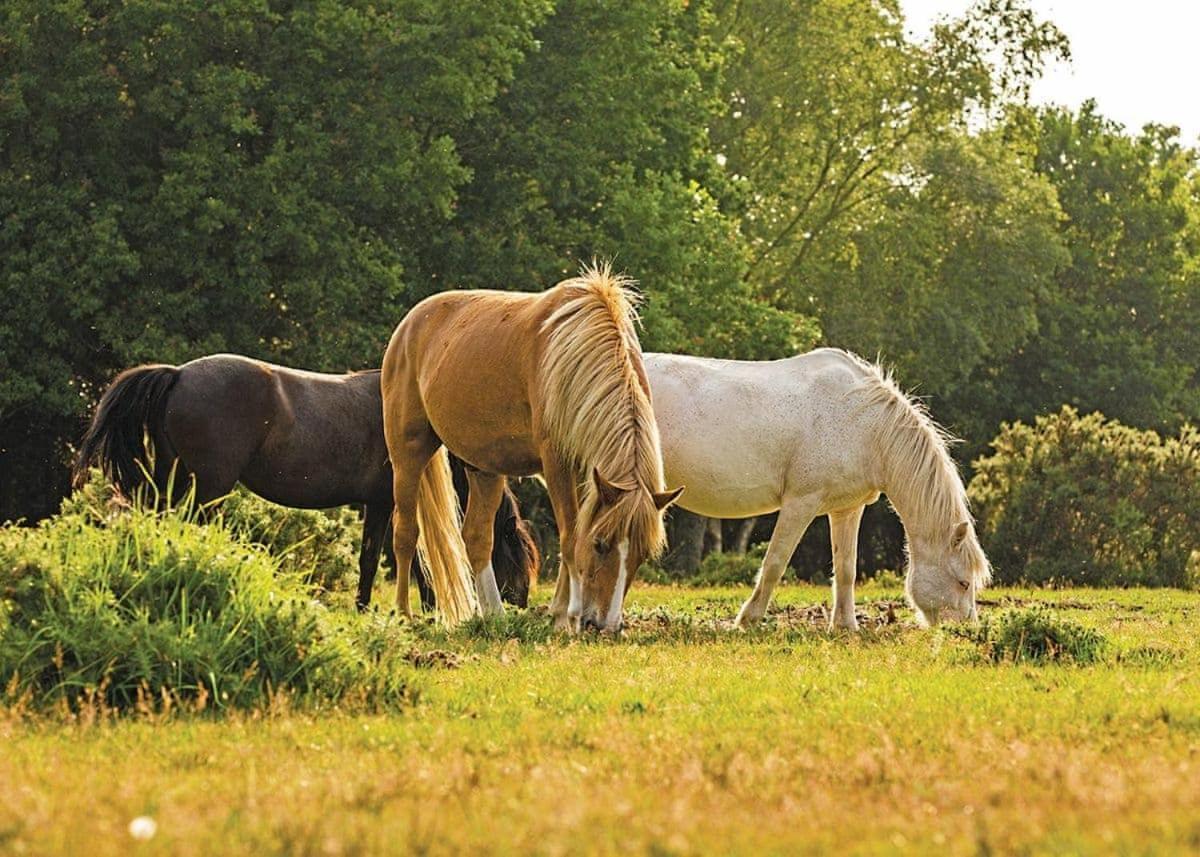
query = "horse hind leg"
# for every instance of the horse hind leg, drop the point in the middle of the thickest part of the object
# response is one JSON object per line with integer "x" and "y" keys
{"x": 843, "y": 533}
{"x": 375, "y": 526}
{"x": 483, "y": 499}
{"x": 409, "y": 458}
{"x": 794, "y": 518}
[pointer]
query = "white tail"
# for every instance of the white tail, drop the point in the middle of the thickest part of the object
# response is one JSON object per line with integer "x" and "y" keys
{"x": 443, "y": 553}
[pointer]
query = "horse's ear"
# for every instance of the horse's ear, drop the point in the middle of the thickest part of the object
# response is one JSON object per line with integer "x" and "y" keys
{"x": 608, "y": 492}
{"x": 960, "y": 534}
{"x": 663, "y": 499}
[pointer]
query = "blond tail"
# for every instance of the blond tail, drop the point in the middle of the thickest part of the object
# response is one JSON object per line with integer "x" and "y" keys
{"x": 444, "y": 559}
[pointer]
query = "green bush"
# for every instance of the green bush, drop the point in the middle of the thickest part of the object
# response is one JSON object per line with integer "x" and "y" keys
{"x": 1035, "y": 634}
{"x": 1084, "y": 500}
{"x": 320, "y": 545}
{"x": 154, "y": 608}
{"x": 716, "y": 569}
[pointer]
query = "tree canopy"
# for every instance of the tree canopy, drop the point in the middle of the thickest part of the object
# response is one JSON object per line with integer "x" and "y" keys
{"x": 287, "y": 179}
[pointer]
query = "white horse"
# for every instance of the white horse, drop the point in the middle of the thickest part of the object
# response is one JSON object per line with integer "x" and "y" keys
{"x": 820, "y": 434}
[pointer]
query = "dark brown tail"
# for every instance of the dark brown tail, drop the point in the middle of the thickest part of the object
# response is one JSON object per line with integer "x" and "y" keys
{"x": 131, "y": 409}
{"x": 515, "y": 557}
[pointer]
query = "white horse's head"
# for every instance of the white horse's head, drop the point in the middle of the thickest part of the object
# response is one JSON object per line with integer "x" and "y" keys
{"x": 945, "y": 570}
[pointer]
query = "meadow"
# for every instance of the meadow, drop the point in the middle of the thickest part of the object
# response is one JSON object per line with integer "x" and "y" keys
{"x": 682, "y": 736}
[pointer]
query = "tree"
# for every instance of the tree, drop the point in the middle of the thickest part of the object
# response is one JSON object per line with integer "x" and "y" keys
{"x": 599, "y": 147}
{"x": 1119, "y": 331}
{"x": 178, "y": 178}
{"x": 827, "y": 101}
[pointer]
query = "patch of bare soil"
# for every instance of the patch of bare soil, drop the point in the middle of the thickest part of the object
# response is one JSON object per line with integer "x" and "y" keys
{"x": 871, "y": 615}
{"x": 874, "y": 614}
{"x": 435, "y": 659}
{"x": 1065, "y": 604}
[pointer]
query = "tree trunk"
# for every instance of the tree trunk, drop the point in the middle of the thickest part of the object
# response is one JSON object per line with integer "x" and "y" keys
{"x": 687, "y": 543}
{"x": 741, "y": 544}
{"x": 715, "y": 538}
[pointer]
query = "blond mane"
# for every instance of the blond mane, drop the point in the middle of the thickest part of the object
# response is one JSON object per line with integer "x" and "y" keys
{"x": 596, "y": 410}
{"x": 915, "y": 458}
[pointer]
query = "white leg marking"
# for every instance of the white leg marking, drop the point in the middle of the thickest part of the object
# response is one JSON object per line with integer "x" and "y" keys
{"x": 489, "y": 592}
{"x": 613, "y": 620}
{"x": 575, "y": 605}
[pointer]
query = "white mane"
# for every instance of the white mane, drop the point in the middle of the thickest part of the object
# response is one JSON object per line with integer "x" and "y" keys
{"x": 915, "y": 458}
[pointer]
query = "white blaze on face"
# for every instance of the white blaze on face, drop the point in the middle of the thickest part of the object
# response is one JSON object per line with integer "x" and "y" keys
{"x": 613, "y": 619}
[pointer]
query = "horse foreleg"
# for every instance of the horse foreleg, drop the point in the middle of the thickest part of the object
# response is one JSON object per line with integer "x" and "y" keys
{"x": 483, "y": 499}
{"x": 794, "y": 518}
{"x": 843, "y": 534}
{"x": 560, "y": 485}
{"x": 375, "y": 524}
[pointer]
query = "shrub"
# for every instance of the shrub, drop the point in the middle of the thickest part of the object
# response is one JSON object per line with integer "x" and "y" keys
{"x": 154, "y": 607}
{"x": 1084, "y": 500}
{"x": 320, "y": 545}
{"x": 716, "y": 569}
{"x": 1034, "y": 634}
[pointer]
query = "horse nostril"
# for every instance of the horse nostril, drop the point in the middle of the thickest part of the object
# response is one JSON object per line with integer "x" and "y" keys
{"x": 592, "y": 624}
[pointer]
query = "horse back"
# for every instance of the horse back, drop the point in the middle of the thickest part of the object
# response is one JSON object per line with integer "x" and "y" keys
{"x": 465, "y": 362}
{"x": 297, "y": 438}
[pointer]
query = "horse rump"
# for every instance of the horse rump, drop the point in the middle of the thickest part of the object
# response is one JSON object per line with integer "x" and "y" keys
{"x": 121, "y": 437}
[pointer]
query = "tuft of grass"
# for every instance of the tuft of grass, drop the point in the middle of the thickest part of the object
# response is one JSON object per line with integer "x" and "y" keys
{"x": 154, "y": 610}
{"x": 1034, "y": 634}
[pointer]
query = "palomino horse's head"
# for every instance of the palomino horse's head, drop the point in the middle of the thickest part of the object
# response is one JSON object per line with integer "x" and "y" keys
{"x": 945, "y": 570}
{"x": 620, "y": 527}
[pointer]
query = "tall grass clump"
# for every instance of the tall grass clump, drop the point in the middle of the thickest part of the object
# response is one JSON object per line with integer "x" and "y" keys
{"x": 149, "y": 607}
{"x": 1035, "y": 634}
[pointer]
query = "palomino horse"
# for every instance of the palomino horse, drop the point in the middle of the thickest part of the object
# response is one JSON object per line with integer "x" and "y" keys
{"x": 517, "y": 384}
{"x": 819, "y": 434}
{"x": 297, "y": 438}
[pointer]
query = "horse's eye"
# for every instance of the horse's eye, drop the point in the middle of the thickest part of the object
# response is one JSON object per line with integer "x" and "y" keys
{"x": 601, "y": 546}
{"x": 965, "y": 584}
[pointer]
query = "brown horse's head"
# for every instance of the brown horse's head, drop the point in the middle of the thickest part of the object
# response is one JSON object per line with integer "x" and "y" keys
{"x": 620, "y": 527}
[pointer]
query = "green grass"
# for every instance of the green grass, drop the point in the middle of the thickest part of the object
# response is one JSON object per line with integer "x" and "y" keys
{"x": 684, "y": 736}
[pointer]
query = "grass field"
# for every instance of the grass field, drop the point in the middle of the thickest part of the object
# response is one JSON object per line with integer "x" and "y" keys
{"x": 682, "y": 737}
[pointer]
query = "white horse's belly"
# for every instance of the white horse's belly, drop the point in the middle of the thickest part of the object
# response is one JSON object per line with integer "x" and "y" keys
{"x": 742, "y": 437}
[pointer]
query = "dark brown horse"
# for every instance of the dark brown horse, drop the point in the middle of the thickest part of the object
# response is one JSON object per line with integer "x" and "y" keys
{"x": 302, "y": 439}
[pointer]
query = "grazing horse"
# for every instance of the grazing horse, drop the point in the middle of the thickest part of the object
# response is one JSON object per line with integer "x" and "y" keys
{"x": 296, "y": 438}
{"x": 823, "y": 433}
{"x": 515, "y": 384}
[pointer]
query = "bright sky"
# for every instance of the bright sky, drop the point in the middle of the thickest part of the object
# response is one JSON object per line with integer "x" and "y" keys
{"x": 1139, "y": 60}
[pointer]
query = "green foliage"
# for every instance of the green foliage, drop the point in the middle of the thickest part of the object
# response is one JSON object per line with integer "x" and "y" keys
{"x": 829, "y": 105}
{"x": 1118, "y": 329}
{"x": 718, "y": 568}
{"x": 1089, "y": 501}
{"x": 318, "y": 545}
{"x": 1034, "y": 634}
{"x": 152, "y": 610}
{"x": 180, "y": 178}
{"x": 599, "y": 147}
{"x": 969, "y": 238}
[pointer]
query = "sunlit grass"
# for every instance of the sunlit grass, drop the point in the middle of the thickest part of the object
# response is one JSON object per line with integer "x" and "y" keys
{"x": 683, "y": 736}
